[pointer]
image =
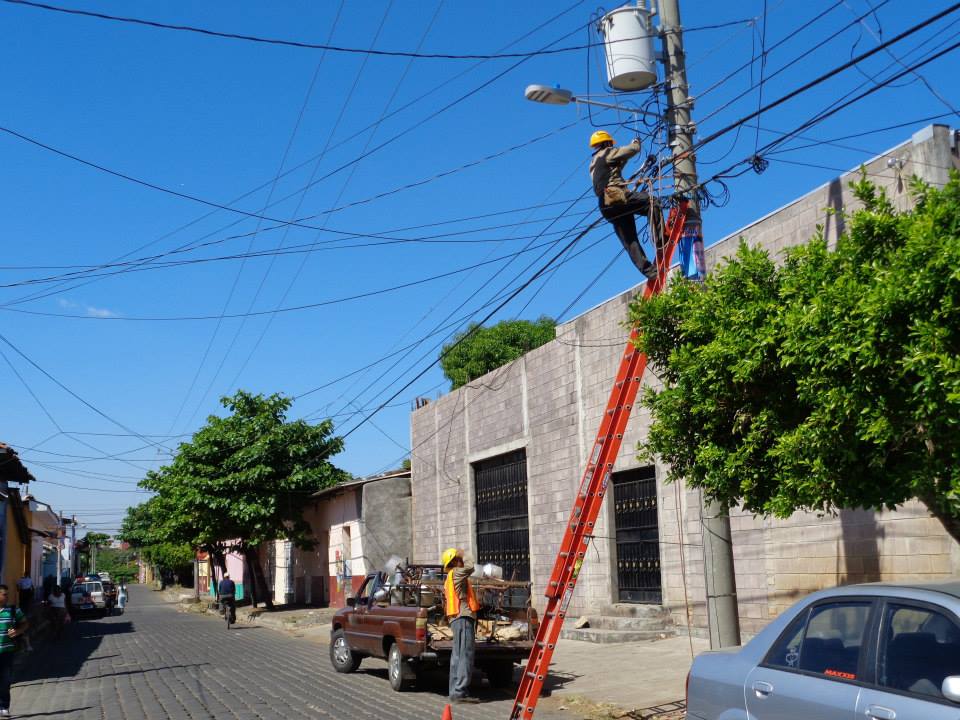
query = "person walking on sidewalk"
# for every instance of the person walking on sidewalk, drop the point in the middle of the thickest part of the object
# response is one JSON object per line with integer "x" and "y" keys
{"x": 619, "y": 204}
{"x": 13, "y": 624}
{"x": 461, "y": 607}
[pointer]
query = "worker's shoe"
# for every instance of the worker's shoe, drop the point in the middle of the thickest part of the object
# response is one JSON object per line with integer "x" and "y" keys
{"x": 466, "y": 700}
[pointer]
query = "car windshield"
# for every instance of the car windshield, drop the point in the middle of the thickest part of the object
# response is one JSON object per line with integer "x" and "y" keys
{"x": 89, "y": 588}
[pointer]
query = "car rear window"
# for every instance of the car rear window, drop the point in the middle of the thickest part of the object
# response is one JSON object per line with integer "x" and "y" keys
{"x": 826, "y": 640}
{"x": 921, "y": 647}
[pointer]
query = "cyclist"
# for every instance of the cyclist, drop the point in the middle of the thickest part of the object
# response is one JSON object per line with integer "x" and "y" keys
{"x": 228, "y": 597}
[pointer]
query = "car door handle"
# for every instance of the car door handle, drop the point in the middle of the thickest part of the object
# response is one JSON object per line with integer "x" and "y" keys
{"x": 881, "y": 713}
{"x": 762, "y": 689}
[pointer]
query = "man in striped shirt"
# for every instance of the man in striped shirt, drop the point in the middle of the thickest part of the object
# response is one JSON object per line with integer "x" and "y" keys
{"x": 13, "y": 623}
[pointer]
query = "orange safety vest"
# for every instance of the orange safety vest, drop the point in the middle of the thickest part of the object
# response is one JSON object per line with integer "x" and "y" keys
{"x": 453, "y": 599}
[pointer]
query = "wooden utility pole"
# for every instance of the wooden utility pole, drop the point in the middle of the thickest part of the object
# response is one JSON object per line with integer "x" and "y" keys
{"x": 721, "y": 585}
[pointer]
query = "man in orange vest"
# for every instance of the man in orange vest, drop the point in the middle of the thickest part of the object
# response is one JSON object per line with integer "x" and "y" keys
{"x": 461, "y": 607}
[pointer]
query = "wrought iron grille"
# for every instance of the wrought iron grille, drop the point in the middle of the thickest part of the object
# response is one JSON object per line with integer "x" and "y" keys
{"x": 503, "y": 536}
{"x": 638, "y": 536}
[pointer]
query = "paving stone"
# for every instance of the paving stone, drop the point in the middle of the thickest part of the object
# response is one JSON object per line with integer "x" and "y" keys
{"x": 154, "y": 663}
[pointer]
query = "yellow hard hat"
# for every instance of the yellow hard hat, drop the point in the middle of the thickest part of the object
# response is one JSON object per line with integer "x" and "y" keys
{"x": 448, "y": 556}
{"x": 600, "y": 136}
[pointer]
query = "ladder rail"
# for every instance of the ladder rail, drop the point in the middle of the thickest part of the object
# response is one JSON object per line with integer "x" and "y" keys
{"x": 590, "y": 494}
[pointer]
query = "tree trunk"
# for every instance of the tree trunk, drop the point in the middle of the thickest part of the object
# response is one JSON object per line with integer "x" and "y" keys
{"x": 257, "y": 576}
{"x": 950, "y": 522}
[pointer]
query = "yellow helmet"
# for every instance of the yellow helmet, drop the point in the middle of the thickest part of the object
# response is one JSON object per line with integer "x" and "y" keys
{"x": 448, "y": 555}
{"x": 600, "y": 136}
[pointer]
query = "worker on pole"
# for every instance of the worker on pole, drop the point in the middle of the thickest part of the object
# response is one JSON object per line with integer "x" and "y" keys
{"x": 619, "y": 204}
{"x": 461, "y": 607}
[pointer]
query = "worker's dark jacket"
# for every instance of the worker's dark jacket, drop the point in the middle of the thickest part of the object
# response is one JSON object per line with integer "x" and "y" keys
{"x": 606, "y": 167}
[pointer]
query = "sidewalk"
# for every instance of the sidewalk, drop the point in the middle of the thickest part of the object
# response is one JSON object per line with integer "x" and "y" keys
{"x": 618, "y": 680}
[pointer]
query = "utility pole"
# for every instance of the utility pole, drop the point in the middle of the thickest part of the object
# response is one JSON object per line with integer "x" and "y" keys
{"x": 721, "y": 585}
{"x": 73, "y": 547}
{"x": 60, "y": 534}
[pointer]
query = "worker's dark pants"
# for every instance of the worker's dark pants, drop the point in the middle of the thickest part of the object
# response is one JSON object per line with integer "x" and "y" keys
{"x": 621, "y": 216}
{"x": 6, "y": 677}
{"x": 461, "y": 657}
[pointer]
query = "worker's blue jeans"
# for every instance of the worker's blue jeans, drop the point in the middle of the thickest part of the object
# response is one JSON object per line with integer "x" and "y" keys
{"x": 461, "y": 659}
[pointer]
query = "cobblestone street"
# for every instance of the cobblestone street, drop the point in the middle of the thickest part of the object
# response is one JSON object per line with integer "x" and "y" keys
{"x": 155, "y": 663}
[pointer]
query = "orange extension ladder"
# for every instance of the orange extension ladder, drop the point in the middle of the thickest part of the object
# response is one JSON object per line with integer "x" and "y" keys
{"x": 593, "y": 486}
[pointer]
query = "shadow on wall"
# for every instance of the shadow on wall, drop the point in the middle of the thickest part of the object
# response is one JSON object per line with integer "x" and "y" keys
{"x": 834, "y": 213}
{"x": 860, "y": 536}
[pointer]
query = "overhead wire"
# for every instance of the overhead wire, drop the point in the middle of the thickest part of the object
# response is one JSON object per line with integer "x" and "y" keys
{"x": 273, "y": 186}
{"x": 343, "y": 188}
{"x": 419, "y": 98}
{"x": 328, "y": 47}
{"x": 296, "y": 211}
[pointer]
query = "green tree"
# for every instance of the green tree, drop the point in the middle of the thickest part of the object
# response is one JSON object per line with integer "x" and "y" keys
{"x": 486, "y": 348}
{"x": 830, "y": 381}
{"x": 142, "y": 529}
{"x": 243, "y": 480}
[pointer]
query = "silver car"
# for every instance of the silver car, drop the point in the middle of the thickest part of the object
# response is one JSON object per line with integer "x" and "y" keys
{"x": 878, "y": 651}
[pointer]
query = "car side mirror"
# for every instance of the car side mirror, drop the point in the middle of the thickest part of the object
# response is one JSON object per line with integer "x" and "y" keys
{"x": 352, "y": 601}
{"x": 951, "y": 688}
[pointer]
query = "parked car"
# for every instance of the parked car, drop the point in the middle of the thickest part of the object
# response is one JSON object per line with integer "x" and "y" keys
{"x": 87, "y": 598}
{"x": 403, "y": 621}
{"x": 103, "y": 576}
{"x": 877, "y": 651}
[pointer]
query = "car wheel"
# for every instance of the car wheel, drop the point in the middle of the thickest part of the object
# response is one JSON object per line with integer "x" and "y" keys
{"x": 500, "y": 674}
{"x": 343, "y": 658}
{"x": 400, "y": 671}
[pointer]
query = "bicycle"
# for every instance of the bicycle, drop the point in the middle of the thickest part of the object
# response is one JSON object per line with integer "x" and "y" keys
{"x": 229, "y": 611}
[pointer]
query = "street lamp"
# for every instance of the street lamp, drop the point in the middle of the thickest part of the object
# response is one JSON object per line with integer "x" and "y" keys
{"x": 561, "y": 96}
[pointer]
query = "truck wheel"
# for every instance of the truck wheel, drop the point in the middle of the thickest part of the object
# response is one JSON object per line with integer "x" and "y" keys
{"x": 399, "y": 670}
{"x": 500, "y": 674}
{"x": 343, "y": 658}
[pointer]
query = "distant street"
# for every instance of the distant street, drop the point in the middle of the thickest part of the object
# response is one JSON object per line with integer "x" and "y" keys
{"x": 155, "y": 663}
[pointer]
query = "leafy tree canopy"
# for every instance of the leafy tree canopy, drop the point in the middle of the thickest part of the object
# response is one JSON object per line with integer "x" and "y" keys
{"x": 831, "y": 381}
{"x": 245, "y": 476}
{"x": 96, "y": 539}
{"x": 142, "y": 528}
{"x": 491, "y": 347}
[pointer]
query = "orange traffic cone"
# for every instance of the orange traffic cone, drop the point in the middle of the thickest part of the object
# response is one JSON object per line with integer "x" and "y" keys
{"x": 447, "y": 713}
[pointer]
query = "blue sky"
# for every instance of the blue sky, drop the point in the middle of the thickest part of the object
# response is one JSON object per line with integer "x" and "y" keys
{"x": 217, "y": 118}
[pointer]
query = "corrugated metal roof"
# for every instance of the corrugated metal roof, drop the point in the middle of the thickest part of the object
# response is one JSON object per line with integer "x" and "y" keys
{"x": 359, "y": 482}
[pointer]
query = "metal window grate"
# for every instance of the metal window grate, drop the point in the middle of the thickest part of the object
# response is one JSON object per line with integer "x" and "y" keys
{"x": 638, "y": 536}
{"x": 503, "y": 536}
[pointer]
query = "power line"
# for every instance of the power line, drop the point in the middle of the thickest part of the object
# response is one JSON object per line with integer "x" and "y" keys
{"x": 838, "y": 107}
{"x": 823, "y": 78}
{"x": 295, "y": 308}
{"x": 473, "y": 330}
{"x": 74, "y": 395}
{"x": 448, "y": 106}
{"x": 336, "y": 48}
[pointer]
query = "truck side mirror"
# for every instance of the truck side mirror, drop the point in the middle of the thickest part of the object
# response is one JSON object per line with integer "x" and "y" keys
{"x": 352, "y": 601}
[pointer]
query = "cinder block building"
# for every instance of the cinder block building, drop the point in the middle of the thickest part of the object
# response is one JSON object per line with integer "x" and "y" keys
{"x": 496, "y": 464}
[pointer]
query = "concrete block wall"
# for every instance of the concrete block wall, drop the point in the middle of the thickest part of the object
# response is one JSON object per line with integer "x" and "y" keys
{"x": 550, "y": 402}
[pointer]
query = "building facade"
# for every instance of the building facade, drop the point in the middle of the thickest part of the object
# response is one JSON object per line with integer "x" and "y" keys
{"x": 357, "y": 526}
{"x": 496, "y": 463}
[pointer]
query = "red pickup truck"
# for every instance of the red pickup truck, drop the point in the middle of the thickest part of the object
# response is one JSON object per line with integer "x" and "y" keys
{"x": 401, "y": 619}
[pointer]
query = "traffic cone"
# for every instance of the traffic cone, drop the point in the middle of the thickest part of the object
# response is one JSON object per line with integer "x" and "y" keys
{"x": 447, "y": 713}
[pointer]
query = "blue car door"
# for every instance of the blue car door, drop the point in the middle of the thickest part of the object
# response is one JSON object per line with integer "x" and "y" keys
{"x": 919, "y": 646}
{"x": 812, "y": 669}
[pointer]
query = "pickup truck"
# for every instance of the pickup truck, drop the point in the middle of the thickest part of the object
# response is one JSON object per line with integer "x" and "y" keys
{"x": 401, "y": 619}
